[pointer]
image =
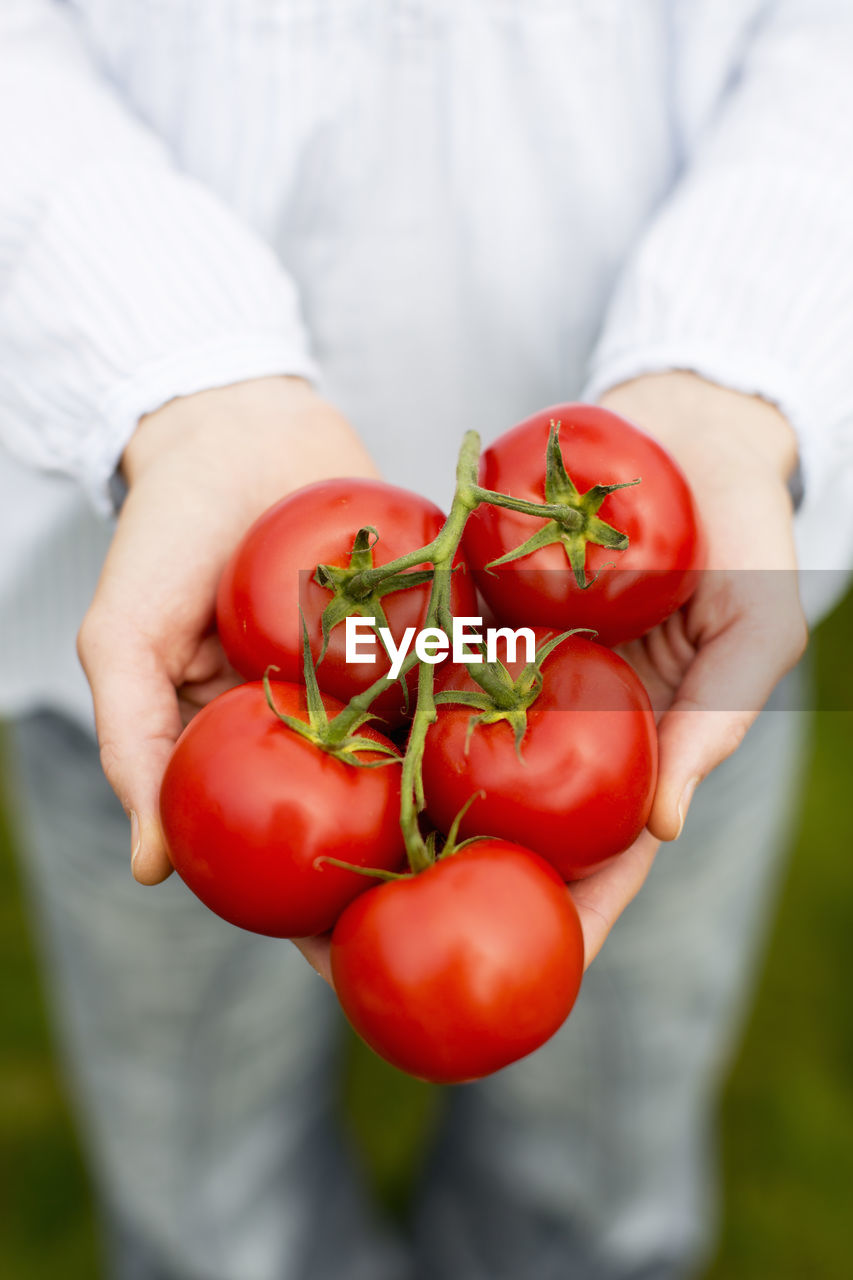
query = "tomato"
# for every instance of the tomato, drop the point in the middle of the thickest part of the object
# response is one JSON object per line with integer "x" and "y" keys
{"x": 582, "y": 790}
{"x": 248, "y": 805}
{"x": 636, "y": 588}
{"x": 271, "y": 573}
{"x": 462, "y": 969}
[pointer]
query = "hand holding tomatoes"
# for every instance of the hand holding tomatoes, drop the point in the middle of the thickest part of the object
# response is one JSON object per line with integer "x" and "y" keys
{"x": 473, "y": 957}
{"x": 711, "y": 667}
{"x": 199, "y": 471}
{"x": 240, "y": 790}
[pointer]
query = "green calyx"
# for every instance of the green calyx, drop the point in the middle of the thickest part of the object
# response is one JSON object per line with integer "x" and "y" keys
{"x": 358, "y": 588}
{"x": 573, "y": 516}
{"x": 500, "y": 697}
{"x": 338, "y": 737}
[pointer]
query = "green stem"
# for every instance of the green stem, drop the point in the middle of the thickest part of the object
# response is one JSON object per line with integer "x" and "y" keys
{"x": 359, "y": 706}
{"x": 440, "y": 553}
{"x": 444, "y": 549}
{"x": 567, "y": 516}
{"x": 450, "y": 534}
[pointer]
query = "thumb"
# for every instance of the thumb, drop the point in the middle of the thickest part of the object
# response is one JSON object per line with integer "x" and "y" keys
{"x": 723, "y": 691}
{"x": 137, "y": 722}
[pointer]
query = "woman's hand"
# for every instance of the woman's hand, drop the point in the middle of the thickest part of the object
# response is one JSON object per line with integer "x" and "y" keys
{"x": 199, "y": 471}
{"x": 710, "y": 668}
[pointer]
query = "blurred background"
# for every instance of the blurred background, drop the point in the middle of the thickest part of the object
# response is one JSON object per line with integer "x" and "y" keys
{"x": 786, "y": 1139}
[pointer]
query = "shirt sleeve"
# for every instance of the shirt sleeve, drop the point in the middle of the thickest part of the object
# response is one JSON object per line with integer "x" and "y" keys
{"x": 745, "y": 274}
{"x": 123, "y": 282}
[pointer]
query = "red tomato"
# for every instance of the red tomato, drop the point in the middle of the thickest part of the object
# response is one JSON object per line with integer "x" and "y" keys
{"x": 248, "y": 805}
{"x": 582, "y": 791}
{"x": 647, "y": 582}
{"x": 271, "y": 574}
{"x": 462, "y": 969}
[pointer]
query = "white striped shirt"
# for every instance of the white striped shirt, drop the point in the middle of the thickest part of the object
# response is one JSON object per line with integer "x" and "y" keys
{"x": 449, "y": 214}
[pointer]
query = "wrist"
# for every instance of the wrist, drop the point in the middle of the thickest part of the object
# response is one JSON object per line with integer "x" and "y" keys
{"x": 686, "y": 414}
{"x": 230, "y": 408}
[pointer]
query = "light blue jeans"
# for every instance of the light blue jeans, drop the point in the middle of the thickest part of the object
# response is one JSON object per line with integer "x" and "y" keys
{"x": 203, "y": 1059}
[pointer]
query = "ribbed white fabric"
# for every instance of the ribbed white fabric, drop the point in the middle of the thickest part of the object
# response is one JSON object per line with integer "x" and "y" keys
{"x": 122, "y": 282}
{"x": 745, "y": 272}
{"x": 478, "y": 209}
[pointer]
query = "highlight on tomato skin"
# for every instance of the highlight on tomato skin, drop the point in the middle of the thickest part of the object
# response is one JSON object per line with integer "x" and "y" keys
{"x": 249, "y": 808}
{"x": 466, "y": 967}
{"x": 629, "y": 591}
{"x": 579, "y": 787}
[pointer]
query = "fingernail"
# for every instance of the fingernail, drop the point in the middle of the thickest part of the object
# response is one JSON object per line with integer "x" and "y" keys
{"x": 135, "y": 839}
{"x": 684, "y": 804}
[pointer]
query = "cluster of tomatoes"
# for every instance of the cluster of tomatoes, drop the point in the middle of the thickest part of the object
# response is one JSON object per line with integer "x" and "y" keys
{"x": 282, "y": 802}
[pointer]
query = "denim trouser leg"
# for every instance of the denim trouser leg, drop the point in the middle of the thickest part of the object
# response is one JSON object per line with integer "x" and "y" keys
{"x": 202, "y": 1057}
{"x": 203, "y": 1060}
{"x": 591, "y": 1160}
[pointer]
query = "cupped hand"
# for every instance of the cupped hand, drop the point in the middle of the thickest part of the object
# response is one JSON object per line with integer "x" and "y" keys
{"x": 710, "y": 668}
{"x": 199, "y": 471}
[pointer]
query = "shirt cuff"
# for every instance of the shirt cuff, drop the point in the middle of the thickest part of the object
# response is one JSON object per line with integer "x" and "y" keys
{"x": 734, "y": 371}
{"x": 217, "y": 364}
{"x": 745, "y": 278}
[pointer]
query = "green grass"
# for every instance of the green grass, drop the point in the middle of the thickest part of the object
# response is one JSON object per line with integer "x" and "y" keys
{"x": 787, "y": 1131}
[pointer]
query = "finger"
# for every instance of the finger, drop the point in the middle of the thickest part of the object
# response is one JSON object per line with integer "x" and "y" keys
{"x": 192, "y": 698}
{"x": 207, "y": 674}
{"x": 317, "y": 951}
{"x": 208, "y": 662}
{"x": 721, "y": 695}
{"x": 670, "y": 652}
{"x": 602, "y": 897}
{"x": 137, "y": 722}
{"x": 661, "y": 688}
